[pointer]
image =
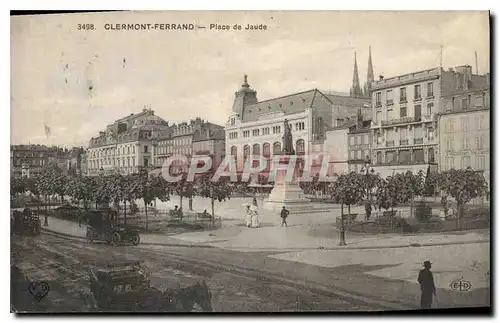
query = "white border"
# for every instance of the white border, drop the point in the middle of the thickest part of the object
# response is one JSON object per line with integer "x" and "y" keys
{"x": 198, "y": 5}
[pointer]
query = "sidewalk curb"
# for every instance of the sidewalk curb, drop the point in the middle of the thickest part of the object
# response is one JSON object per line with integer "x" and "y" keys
{"x": 52, "y": 232}
{"x": 356, "y": 248}
{"x": 284, "y": 250}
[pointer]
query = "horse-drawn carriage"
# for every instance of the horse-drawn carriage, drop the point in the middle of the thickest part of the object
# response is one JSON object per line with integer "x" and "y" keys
{"x": 103, "y": 225}
{"x": 26, "y": 222}
{"x": 125, "y": 287}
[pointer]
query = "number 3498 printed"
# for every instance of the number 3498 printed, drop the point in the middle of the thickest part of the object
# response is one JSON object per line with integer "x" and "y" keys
{"x": 86, "y": 27}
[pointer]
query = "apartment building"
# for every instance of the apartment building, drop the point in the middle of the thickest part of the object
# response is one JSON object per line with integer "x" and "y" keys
{"x": 186, "y": 139}
{"x": 464, "y": 130}
{"x": 405, "y": 109}
{"x": 126, "y": 145}
{"x": 29, "y": 160}
{"x": 359, "y": 145}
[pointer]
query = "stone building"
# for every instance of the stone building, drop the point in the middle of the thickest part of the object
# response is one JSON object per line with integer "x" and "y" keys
{"x": 464, "y": 130}
{"x": 256, "y": 127}
{"x": 30, "y": 160}
{"x": 404, "y": 124}
{"x": 186, "y": 139}
{"x": 359, "y": 145}
{"x": 126, "y": 145}
{"x": 210, "y": 140}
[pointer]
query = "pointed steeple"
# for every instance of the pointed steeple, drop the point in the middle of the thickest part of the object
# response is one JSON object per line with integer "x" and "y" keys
{"x": 369, "y": 75}
{"x": 355, "y": 88}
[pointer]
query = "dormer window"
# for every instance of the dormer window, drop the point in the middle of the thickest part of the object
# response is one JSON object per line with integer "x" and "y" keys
{"x": 291, "y": 102}
{"x": 281, "y": 105}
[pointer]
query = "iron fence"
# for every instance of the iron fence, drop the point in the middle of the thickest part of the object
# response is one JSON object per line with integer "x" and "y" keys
{"x": 401, "y": 224}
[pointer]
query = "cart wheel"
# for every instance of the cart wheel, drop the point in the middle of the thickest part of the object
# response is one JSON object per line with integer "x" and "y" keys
{"x": 135, "y": 239}
{"x": 116, "y": 239}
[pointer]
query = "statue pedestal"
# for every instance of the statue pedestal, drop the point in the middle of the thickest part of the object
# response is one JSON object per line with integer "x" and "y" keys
{"x": 287, "y": 193}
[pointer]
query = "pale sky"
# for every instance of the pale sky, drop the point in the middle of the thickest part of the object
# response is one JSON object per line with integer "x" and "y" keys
{"x": 188, "y": 74}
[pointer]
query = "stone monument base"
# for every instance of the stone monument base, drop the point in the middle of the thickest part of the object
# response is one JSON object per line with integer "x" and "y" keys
{"x": 292, "y": 197}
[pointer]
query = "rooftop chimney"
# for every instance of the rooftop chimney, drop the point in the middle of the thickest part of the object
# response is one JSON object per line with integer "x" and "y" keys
{"x": 380, "y": 77}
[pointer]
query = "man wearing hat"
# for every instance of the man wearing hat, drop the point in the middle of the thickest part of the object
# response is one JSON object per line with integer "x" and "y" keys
{"x": 426, "y": 281}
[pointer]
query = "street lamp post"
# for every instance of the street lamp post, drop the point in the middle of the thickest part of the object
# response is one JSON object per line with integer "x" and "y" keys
{"x": 367, "y": 171}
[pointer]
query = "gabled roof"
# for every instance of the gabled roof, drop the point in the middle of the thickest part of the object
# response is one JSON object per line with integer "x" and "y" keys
{"x": 298, "y": 102}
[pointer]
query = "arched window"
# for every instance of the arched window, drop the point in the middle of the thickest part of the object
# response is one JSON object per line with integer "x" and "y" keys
{"x": 379, "y": 157}
{"x": 431, "y": 155}
{"x": 276, "y": 147}
{"x": 266, "y": 149}
{"x": 234, "y": 151}
{"x": 246, "y": 152}
{"x": 300, "y": 146}
{"x": 256, "y": 149}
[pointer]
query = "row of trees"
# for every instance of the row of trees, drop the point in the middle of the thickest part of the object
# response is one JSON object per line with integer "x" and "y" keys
{"x": 116, "y": 189}
{"x": 349, "y": 189}
{"x": 353, "y": 188}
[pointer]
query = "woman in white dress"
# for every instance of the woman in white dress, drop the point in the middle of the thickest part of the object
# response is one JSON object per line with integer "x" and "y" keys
{"x": 255, "y": 216}
{"x": 248, "y": 215}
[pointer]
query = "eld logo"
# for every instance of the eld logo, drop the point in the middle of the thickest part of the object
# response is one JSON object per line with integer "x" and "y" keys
{"x": 460, "y": 285}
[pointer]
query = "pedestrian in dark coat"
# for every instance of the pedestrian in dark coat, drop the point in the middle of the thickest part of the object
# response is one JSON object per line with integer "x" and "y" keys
{"x": 426, "y": 281}
{"x": 284, "y": 215}
{"x": 368, "y": 209}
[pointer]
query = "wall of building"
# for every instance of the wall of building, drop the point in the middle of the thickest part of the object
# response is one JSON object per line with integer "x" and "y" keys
{"x": 335, "y": 147}
{"x": 465, "y": 140}
{"x": 273, "y": 134}
{"x": 359, "y": 144}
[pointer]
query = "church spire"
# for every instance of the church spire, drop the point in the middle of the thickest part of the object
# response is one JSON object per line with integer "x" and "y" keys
{"x": 355, "y": 88}
{"x": 369, "y": 74}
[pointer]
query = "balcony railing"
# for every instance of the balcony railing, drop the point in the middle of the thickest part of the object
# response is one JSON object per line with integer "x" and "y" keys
{"x": 403, "y": 142}
{"x": 428, "y": 117}
{"x": 399, "y": 121}
{"x": 417, "y": 98}
{"x": 402, "y": 162}
{"x": 390, "y": 143}
{"x": 389, "y": 102}
{"x": 418, "y": 141}
{"x": 403, "y": 100}
{"x": 356, "y": 161}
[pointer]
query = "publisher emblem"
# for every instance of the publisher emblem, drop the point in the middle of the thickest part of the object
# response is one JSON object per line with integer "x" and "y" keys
{"x": 460, "y": 285}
